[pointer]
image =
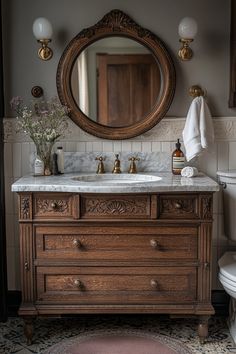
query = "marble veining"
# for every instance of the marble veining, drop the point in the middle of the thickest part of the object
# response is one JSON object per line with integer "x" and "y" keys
{"x": 85, "y": 161}
{"x": 67, "y": 183}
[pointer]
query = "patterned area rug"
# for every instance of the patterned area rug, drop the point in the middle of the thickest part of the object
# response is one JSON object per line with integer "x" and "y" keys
{"x": 50, "y": 331}
{"x": 119, "y": 342}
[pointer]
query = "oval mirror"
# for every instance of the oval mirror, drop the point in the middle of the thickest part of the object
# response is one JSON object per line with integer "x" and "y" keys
{"x": 117, "y": 78}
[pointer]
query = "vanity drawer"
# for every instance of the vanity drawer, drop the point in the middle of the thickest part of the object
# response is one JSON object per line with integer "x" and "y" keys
{"x": 179, "y": 206}
{"x": 55, "y": 206}
{"x": 106, "y": 243}
{"x": 116, "y": 207}
{"x": 116, "y": 285}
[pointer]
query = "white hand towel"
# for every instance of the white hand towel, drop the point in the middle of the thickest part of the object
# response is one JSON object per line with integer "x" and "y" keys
{"x": 198, "y": 133}
{"x": 189, "y": 171}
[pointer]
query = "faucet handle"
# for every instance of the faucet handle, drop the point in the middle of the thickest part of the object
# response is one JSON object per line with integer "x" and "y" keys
{"x": 100, "y": 168}
{"x": 133, "y": 168}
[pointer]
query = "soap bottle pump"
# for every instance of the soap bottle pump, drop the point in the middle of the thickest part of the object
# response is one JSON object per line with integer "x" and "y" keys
{"x": 178, "y": 159}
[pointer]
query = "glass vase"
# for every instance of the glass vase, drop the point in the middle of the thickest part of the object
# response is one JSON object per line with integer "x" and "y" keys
{"x": 44, "y": 152}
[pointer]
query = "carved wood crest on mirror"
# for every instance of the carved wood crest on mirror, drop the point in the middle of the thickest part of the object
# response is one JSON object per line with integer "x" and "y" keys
{"x": 117, "y": 78}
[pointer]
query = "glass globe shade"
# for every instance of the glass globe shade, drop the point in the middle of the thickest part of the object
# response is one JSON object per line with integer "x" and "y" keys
{"x": 42, "y": 28}
{"x": 187, "y": 28}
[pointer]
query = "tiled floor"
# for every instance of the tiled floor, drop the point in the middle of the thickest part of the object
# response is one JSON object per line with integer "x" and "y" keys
{"x": 50, "y": 331}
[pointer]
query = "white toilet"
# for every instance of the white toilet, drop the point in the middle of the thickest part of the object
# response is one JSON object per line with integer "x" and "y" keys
{"x": 227, "y": 263}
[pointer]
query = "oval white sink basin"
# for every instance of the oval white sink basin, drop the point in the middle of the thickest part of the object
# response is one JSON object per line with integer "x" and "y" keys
{"x": 110, "y": 178}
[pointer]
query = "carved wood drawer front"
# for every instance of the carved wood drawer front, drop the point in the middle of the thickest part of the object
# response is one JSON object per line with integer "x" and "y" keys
{"x": 56, "y": 205}
{"x": 114, "y": 285}
{"x": 179, "y": 206}
{"x": 116, "y": 243}
{"x": 117, "y": 206}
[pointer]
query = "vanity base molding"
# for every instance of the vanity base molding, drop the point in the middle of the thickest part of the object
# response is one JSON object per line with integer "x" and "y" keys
{"x": 103, "y": 253}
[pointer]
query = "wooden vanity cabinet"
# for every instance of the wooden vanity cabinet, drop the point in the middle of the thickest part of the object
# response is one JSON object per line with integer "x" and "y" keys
{"x": 103, "y": 253}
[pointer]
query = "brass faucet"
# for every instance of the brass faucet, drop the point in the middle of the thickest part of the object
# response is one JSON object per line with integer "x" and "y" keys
{"x": 116, "y": 168}
{"x": 133, "y": 168}
{"x": 100, "y": 168}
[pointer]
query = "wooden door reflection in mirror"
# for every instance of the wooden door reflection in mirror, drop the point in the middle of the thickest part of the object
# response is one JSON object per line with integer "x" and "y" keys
{"x": 127, "y": 88}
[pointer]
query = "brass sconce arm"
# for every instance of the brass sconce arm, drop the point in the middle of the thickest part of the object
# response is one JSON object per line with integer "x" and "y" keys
{"x": 185, "y": 52}
{"x": 45, "y": 53}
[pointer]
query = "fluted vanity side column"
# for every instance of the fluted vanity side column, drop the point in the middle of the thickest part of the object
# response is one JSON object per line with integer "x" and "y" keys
{"x": 204, "y": 291}
{"x": 27, "y": 309}
{"x": 26, "y": 251}
{"x": 204, "y": 272}
{"x": 204, "y": 276}
{"x": 26, "y": 262}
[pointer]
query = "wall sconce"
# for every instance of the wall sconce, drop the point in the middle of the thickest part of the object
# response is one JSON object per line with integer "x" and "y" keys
{"x": 187, "y": 32}
{"x": 42, "y": 30}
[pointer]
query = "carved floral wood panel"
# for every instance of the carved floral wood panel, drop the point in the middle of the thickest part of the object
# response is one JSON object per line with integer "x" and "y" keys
{"x": 207, "y": 206}
{"x": 127, "y": 207}
{"x": 182, "y": 207}
{"x": 47, "y": 206}
{"x": 25, "y": 206}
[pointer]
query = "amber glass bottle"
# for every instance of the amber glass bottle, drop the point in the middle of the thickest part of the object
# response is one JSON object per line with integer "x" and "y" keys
{"x": 178, "y": 159}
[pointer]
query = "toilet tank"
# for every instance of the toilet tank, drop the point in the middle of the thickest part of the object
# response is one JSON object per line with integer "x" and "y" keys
{"x": 228, "y": 180}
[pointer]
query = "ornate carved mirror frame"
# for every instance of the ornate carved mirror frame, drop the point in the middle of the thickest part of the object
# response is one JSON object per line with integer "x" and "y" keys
{"x": 116, "y": 23}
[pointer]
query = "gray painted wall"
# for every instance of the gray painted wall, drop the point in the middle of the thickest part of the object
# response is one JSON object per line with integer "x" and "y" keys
{"x": 209, "y": 67}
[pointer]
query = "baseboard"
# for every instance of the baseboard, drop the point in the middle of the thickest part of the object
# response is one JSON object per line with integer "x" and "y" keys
{"x": 220, "y": 302}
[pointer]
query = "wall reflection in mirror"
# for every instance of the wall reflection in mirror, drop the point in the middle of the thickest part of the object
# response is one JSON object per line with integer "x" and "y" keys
{"x": 116, "y": 81}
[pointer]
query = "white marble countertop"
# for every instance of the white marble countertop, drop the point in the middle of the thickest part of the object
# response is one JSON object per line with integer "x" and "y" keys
{"x": 66, "y": 183}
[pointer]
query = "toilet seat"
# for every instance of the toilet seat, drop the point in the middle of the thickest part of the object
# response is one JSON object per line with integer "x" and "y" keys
{"x": 227, "y": 281}
{"x": 230, "y": 288}
{"x": 231, "y": 292}
{"x": 227, "y": 265}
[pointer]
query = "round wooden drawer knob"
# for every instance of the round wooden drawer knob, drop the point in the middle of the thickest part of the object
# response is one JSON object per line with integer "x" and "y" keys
{"x": 77, "y": 243}
{"x": 53, "y": 205}
{"x": 178, "y": 205}
{"x": 153, "y": 283}
{"x": 154, "y": 243}
{"x": 78, "y": 284}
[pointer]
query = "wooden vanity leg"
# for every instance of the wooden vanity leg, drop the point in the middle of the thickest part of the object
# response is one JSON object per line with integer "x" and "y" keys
{"x": 28, "y": 329}
{"x": 203, "y": 328}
